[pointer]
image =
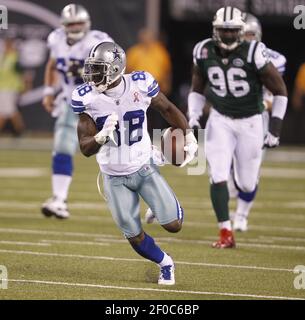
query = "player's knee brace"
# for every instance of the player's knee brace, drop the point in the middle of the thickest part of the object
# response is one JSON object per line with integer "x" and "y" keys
{"x": 148, "y": 249}
{"x": 247, "y": 196}
{"x": 62, "y": 164}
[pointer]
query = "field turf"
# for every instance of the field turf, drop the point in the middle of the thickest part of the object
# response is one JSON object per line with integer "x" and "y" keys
{"x": 86, "y": 257}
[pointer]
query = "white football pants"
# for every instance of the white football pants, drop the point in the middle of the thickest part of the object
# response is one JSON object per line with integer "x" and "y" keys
{"x": 237, "y": 140}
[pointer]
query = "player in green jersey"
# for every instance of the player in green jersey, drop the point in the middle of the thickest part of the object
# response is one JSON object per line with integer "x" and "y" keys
{"x": 230, "y": 74}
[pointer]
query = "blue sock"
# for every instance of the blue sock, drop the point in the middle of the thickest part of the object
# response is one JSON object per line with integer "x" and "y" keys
{"x": 247, "y": 196}
{"x": 62, "y": 164}
{"x": 149, "y": 250}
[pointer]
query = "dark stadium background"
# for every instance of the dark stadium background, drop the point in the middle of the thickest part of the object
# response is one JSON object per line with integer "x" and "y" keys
{"x": 182, "y": 24}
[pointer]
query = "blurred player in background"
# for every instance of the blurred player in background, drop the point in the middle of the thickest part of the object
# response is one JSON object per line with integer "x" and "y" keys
{"x": 113, "y": 125}
{"x": 298, "y": 96}
{"x": 69, "y": 46}
{"x": 11, "y": 85}
{"x": 245, "y": 200}
{"x": 234, "y": 72}
{"x": 150, "y": 54}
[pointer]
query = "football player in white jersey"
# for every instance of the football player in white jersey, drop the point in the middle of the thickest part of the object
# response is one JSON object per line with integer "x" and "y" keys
{"x": 113, "y": 125}
{"x": 253, "y": 31}
{"x": 69, "y": 46}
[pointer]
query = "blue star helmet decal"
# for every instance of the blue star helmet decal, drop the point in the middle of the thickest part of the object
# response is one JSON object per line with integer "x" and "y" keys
{"x": 116, "y": 54}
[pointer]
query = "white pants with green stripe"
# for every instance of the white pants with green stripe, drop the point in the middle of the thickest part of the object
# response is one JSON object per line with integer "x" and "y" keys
{"x": 123, "y": 196}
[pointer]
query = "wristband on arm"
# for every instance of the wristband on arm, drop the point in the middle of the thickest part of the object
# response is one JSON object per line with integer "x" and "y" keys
{"x": 279, "y": 107}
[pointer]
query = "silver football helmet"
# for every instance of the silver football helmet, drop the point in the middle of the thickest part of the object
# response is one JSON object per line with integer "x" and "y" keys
{"x": 76, "y": 21}
{"x": 228, "y": 18}
{"x": 106, "y": 64}
{"x": 252, "y": 27}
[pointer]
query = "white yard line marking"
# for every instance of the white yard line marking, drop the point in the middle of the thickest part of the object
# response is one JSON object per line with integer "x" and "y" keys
{"x": 252, "y": 226}
{"x": 265, "y": 216}
{"x": 276, "y": 228}
{"x": 292, "y": 239}
{"x": 13, "y": 215}
{"x": 239, "y": 244}
{"x": 113, "y": 238}
{"x": 89, "y": 243}
{"x": 108, "y": 241}
{"x": 295, "y": 205}
{"x": 23, "y": 172}
{"x": 80, "y": 256}
{"x": 283, "y": 173}
{"x": 187, "y": 204}
{"x": 57, "y": 233}
{"x": 277, "y": 216}
{"x": 10, "y": 191}
{"x": 23, "y": 243}
{"x": 36, "y": 205}
{"x": 99, "y": 286}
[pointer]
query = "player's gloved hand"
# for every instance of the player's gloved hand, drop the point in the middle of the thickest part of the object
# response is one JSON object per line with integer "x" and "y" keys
{"x": 157, "y": 156}
{"x": 191, "y": 147}
{"x": 271, "y": 141}
{"x": 194, "y": 123}
{"x": 272, "y": 138}
{"x": 106, "y": 133}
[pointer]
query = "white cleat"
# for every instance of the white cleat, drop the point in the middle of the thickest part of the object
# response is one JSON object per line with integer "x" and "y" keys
{"x": 149, "y": 216}
{"x": 167, "y": 275}
{"x": 240, "y": 223}
{"x": 55, "y": 207}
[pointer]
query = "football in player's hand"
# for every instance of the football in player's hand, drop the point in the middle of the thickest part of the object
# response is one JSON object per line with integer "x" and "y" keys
{"x": 172, "y": 146}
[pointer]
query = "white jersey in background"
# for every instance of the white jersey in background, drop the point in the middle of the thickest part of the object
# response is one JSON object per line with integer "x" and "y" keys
{"x": 133, "y": 148}
{"x": 279, "y": 61}
{"x": 66, "y": 55}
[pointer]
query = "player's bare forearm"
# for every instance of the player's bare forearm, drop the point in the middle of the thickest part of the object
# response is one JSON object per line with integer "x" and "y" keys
{"x": 273, "y": 81}
{"x": 198, "y": 80}
{"x": 50, "y": 75}
{"x": 169, "y": 112}
{"x": 86, "y": 130}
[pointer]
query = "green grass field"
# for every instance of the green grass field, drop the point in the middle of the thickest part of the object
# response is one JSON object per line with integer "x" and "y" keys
{"x": 86, "y": 257}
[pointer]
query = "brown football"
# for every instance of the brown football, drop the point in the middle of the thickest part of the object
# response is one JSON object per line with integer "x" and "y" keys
{"x": 172, "y": 146}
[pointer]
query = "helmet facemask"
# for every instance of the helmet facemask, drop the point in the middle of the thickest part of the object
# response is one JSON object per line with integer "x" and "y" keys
{"x": 75, "y": 31}
{"x": 100, "y": 74}
{"x": 253, "y": 28}
{"x": 76, "y": 22}
{"x": 228, "y": 43}
{"x": 228, "y": 19}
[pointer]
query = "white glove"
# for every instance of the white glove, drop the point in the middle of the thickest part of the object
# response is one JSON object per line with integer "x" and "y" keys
{"x": 191, "y": 147}
{"x": 107, "y": 132}
{"x": 157, "y": 156}
{"x": 271, "y": 141}
{"x": 193, "y": 122}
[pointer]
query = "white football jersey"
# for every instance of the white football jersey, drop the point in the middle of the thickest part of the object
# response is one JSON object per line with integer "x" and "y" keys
{"x": 279, "y": 61}
{"x": 133, "y": 147}
{"x": 66, "y": 55}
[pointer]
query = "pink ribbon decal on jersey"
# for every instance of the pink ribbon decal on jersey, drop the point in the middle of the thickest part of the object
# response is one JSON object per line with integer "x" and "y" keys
{"x": 136, "y": 97}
